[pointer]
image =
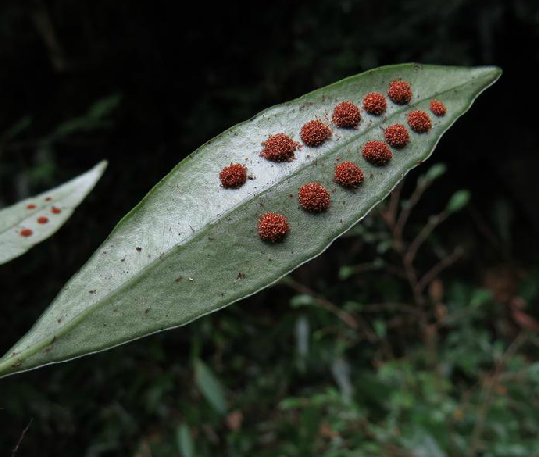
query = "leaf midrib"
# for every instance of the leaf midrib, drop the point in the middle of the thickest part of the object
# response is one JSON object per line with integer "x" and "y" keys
{"x": 33, "y": 349}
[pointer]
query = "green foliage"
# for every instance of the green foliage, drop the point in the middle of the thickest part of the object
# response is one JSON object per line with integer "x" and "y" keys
{"x": 178, "y": 241}
{"x": 338, "y": 368}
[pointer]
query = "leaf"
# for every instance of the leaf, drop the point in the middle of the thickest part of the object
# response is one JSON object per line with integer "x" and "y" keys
{"x": 433, "y": 173}
{"x": 191, "y": 247}
{"x": 33, "y": 220}
{"x": 186, "y": 446}
{"x": 458, "y": 201}
{"x": 210, "y": 387}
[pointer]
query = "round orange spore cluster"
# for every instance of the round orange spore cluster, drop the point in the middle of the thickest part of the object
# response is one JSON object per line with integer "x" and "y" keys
{"x": 346, "y": 115}
{"x": 397, "y": 136}
{"x": 279, "y": 148}
{"x": 273, "y": 227}
{"x": 348, "y": 174}
{"x": 233, "y": 176}
{"x": 400, "y": 92}
{"x": 314, "y": 197}
{"x": 419, "y": 121}
{"x": 377, "y": 152}
{"x": 438, "y": 108}
{"x": 26, "y": 232}
{"x": 374, "y": 103}
{"x": 314, "y": 133}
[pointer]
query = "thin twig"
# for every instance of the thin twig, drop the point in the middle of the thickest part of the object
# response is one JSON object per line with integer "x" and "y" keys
{"x": 347, "y": 318}
{"x": 447, "y": 261}
{"x": 394, "y": 202}
{"x": 405, "y": 213}
{"x": 16, "y": 448}
{"x": 377, "y": 307}
{"x": 434, "y": 222}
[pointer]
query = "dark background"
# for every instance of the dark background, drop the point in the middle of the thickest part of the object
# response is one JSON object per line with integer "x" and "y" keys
{"x": 172, "y": 77}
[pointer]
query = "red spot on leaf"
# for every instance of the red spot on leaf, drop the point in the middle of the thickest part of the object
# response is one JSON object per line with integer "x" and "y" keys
{"x": 419, "y": 121}
{"x": 374, "y": 103}
{"x": 314, "y": 197}
{"x": 26, "y": 232}
{"x": 233, "y": 176}
{"x": 400, "y": 92}
{"x": 438, "y": 108}
{"x": 279, "y": 148}
{"x": 377, "y": 152}
{"x": 42, "y": 219}
{"x": 31, "y": 206}
{"x": 346, "y": 115}
{"x": 397, "y": 135}
{"x": 348, "y": 174}
{"x": 314, "y": 133}
{"x": 55, "y": 210}
{"x": 273, "y": 227}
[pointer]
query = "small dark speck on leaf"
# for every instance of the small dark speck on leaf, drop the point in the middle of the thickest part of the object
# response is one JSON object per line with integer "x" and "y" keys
{"x": 179, "y": 278}
{"x": 372, "y": 175}
{"x": 211, "y": 238}
{"x": 241, "y": 276}
{"x": 139, "y": 249}
{"x": 122, "y": 260}
{"x": 92, "y": 291}
{"x": 147, "y": 310}
{"x": 291, "y": 195}
{"x": 251, "y": 177}
{"x": 59, "y": 321}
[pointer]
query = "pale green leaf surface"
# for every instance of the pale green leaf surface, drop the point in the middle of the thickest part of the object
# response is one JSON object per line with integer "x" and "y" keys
{"x": 198, "y": 243}
{"x": 20, "y": 216}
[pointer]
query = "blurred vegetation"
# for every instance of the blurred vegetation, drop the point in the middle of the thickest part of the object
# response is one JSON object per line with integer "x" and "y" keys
{"x": 415, "y": 335}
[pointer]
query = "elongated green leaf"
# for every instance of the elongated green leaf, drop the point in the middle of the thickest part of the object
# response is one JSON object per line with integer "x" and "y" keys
{"x": 210, "y": 387}
{"x": 33, "y": 220}
{"x": 191, "y": 247}
{"x": 186, "y": 445}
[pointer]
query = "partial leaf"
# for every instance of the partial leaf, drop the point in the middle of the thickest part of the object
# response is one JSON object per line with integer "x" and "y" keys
{"x": 210, "y": 387}
{"x": 186, "y": 445}
{"x": 33, "y": 220}
{"x": 191, "y": 247}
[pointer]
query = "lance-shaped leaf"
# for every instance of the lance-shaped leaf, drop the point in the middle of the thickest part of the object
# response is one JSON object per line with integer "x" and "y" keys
{"x": 191, "y": 246}
{"x": 33, "y": 220}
